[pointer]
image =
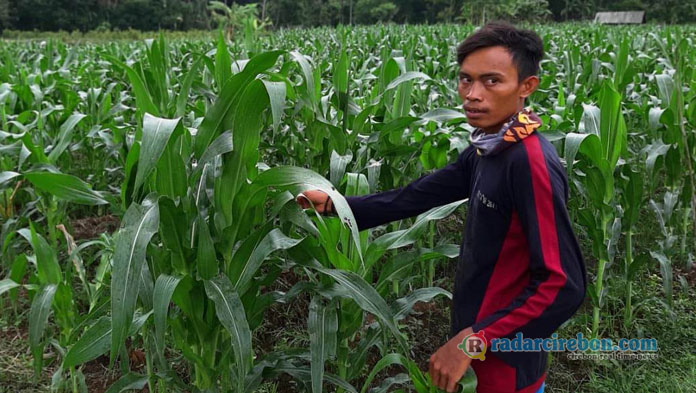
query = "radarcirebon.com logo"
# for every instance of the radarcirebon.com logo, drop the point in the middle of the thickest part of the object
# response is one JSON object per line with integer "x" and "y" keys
{"x": 475, "y": 345}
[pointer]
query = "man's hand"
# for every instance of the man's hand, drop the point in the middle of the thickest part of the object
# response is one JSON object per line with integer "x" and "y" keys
{"x": 449, "y": 363}
{"x": 321, "y": 201}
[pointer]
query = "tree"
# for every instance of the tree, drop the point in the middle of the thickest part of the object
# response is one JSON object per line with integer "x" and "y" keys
{"x": 6, "y": 15}
{"x": 373, "y": 11}
{"x": 237, "y": 19}
{"x": 510, "y": 10}
{"x": 148, "y": 15}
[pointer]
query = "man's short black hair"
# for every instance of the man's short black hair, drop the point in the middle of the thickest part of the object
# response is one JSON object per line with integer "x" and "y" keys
{"x": 525, "y": 46}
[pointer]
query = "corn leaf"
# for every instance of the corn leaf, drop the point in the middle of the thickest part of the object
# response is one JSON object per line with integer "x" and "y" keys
{"x": 38, "y": 318}
{"x": 161, "y": 297}
{"x": 367, "y": 298}
{"x": 156, "y": 134}
{"x": 130, "y": 381}
{"x": 230, "y": 312}
{"x": 7, "y": 284}
{"x": 65, "y": 187}
{"x": 140, "y": 223}
{"x": 65, "y": 136}
{"x": 47, "y": 265}
{"x": 242, "y": 272}
{"x": 301, "y": 179}
{"x": 322, "y": 326}
{"x": 212, "y": 124}
{"x": 93, "y": 343}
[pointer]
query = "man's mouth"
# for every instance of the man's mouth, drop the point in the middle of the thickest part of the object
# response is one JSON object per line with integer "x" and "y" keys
{"x": 473, "y": 112}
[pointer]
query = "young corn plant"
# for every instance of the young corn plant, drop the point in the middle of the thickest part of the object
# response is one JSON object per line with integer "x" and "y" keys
{"x": 337, "y": 316}
{"x": 50, "y": 281}
{"x": 667, "y": 245}
{"x": 680, "y": 137}
{"x": 210, "y": 224}
{"x": 631, "y": 201}
{"x": 602, "y": 144}
{"x": 51, "y": 286}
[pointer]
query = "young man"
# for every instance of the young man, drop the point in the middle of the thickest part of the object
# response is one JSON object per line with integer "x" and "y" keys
{"x": 520, "y": 267}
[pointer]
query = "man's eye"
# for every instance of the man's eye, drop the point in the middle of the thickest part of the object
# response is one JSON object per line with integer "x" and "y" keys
{"x": 464, "y": 79}
{"x": 491, "y": 81}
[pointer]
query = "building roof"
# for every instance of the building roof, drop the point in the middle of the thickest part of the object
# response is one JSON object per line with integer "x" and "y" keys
{"x": 623, "y": 17}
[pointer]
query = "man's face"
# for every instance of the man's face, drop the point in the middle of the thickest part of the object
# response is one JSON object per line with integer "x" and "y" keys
{"x": 489, "y": 87}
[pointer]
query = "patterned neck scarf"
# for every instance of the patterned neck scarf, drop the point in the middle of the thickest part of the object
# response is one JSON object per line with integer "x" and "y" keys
{"x": 519, "y": 126}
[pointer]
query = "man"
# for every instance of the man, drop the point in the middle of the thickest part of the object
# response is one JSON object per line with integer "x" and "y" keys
{"x": 520, "y": 267}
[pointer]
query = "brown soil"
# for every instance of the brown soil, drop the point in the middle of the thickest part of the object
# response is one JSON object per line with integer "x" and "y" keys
{"x": 428, "y": 328}
{"x": 92, "y": 227}
{"x": 98, "y": 376}
{"x": 689, "y": 275}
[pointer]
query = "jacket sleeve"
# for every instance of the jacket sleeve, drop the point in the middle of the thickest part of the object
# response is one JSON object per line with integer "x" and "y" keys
{"x": 557, "y": 283}
{"x": 448, "y": 184}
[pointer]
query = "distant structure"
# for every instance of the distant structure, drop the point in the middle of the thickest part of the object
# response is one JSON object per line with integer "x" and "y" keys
{"x": 620, "y": 18}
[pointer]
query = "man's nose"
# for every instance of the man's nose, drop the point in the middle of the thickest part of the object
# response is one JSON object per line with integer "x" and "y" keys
{"x": 474, "y": 93}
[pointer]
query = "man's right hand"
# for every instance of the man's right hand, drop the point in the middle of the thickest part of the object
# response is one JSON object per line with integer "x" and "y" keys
{"x": 321, "y": 201}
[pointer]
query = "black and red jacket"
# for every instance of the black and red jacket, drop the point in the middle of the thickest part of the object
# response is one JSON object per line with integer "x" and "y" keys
{"x": 520, "y": 268}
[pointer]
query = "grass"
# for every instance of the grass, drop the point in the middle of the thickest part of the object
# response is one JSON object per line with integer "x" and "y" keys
{"x": 675, "y": 369}
{"x": 16, "y": 374}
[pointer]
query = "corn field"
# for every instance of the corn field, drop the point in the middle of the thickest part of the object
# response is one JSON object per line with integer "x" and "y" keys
{"x": 197, "y": 148}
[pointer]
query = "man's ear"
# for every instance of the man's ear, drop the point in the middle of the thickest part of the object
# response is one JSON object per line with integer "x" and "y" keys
{"x": 528, "y": 86}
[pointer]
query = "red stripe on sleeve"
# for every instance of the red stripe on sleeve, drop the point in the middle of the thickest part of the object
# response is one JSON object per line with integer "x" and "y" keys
{"x": 510, "y": 273}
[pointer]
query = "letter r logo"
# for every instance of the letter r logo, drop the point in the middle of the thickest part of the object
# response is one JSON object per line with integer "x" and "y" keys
{"x": 474, "y": 345}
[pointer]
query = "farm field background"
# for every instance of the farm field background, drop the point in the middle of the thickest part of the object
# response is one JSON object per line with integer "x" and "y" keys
{"x": 149, "y": 237}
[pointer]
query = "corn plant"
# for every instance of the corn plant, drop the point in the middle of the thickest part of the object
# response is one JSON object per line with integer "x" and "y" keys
{"x": 602, "y": 144}
{"x": 338, "y": 256}
{"x": 631, "y": 200}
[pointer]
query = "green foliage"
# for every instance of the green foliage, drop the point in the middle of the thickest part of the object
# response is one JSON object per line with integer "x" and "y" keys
{"x": 240, "y": 16}
{"x": 373, "y": 11}
{"x": 199, "y": 148}
{"x": 511, "y": 10}
{"x": 144, "y": 15}
{"x": 238, "y": 19}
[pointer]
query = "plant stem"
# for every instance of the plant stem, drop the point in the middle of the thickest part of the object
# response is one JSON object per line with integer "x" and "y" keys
{"x": 628, "y": 311}
{"x": 431, "y": 263}
{"x": 148, "y": 365}
{"x": 599, "y": 286}
{"x": 685, "y": 236}
{"x": 342, "y": 367}
{"x": 74, "y": 380}
{"x": 599, "y": 283}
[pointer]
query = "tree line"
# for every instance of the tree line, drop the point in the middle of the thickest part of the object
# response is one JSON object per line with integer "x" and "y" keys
{"x": 148, "y": 15}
